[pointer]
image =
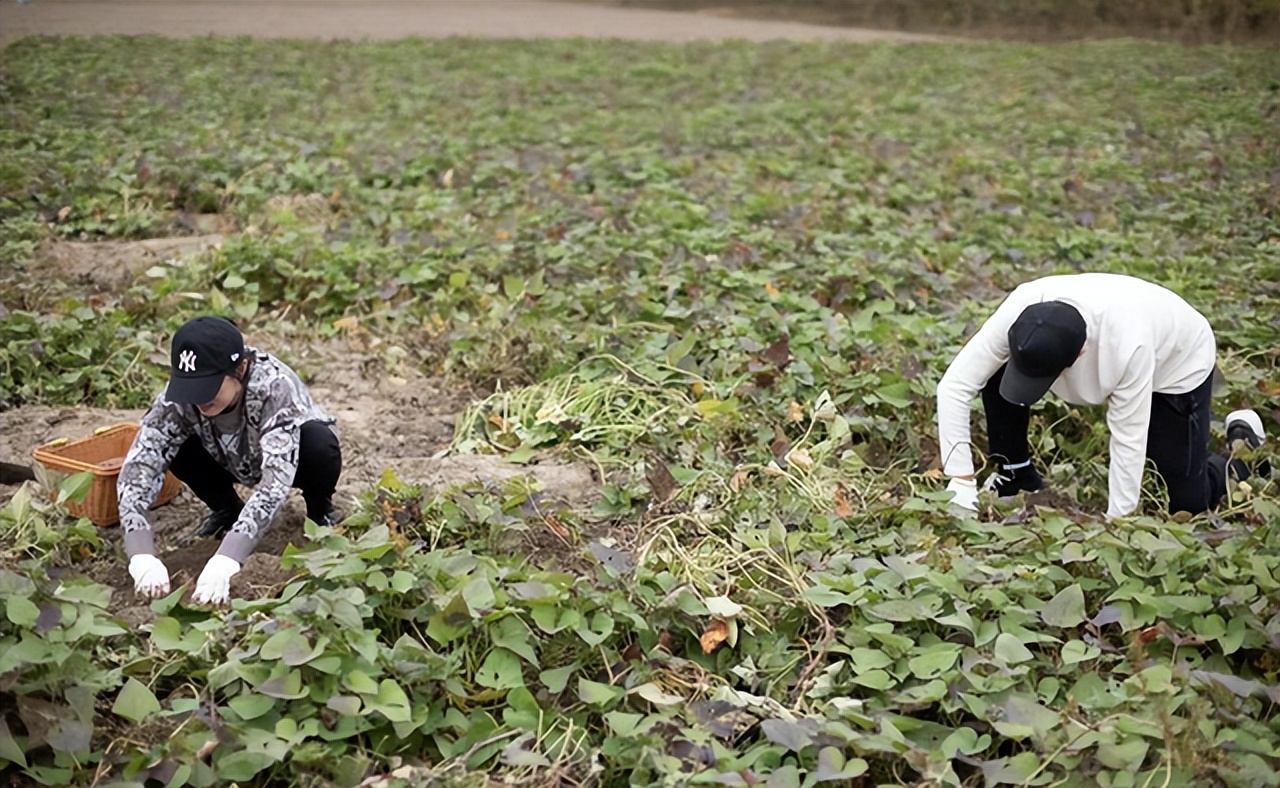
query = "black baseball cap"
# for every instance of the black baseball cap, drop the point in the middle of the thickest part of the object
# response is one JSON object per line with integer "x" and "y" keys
{"x": 1044, "y": 340}
{"x": 204, "y": 350}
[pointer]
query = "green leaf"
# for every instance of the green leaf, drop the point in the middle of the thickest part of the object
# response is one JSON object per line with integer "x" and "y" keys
{"x": 965, "y": 741}
{"x": 1024, "y": 710}
{"x": 300, "y": 652}
{"x": 48, "y": 775}
{"x": 1210, "y": 627}
{"x": 389, "y": 480}
{"x": 167, "y": 634}
{"x": 594, "y": 693}
{"x": 874, "y": 679}
{"x": 1010, "y": 650}
{"x": 787, "y": 776}
{"x": 791, "y": 735}
{"x": 901, "y": 610}
{"x": 251, "y": 706}
{"x": 533, "y": 590}
{"x": 513, "y": 634}
{"x": 21, "y": 611}
{"x": 865, "y": 659}
{"x": 31, "y": 648}
{"x": 832, "y": 766}
{"x": 1092, "y": 693}
{"x": 895, "y": 394}
{"x": 1012, "y": 771}
{"x": 824, "y": 596}
{"x": 1124, "y": 756}
{"x": 242, "y": 766}
{"x": 403, "y": 582}
{"x": 622, "y": 723}
{"x": 330, "y": 664}
{"x": 1075, "y": 651}
{"x": 452, "y": 622}
{"x": 391, "y": 701}
{"x": 13, "y": 584}
{"x": 929, "y": 692}
{"x": 1234, "y": 639}
{"x": 935, "y": 660}
{"x": 273, "y": 649}
{"x": 135, "y": 702}
{"x": 348, "y": 705}
{"x": 723, "y": 607}
{"x": 76, "y": 487}
{"x": 600, "y": 628}
{"x": 288, "y": 686}
{"x": 556, "y": 679}
{"x": 1066, "y": 609}
{"x": 1154, "y": 679}
{"x": 9, "y": 749}
{"x": 359, "y": 681}
{"x": 501, "y": 670}
{"x": 655, "y": 695}
{"x": 351, "y": 769}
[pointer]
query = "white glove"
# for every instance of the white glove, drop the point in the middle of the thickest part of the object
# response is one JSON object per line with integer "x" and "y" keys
{"x": 150, "y": 578}
{"x": 214, "y": 585}
{"x": 966, "y": 493}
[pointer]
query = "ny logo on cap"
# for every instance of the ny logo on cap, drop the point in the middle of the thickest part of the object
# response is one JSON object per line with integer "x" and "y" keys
{"x": 187, "y": 361}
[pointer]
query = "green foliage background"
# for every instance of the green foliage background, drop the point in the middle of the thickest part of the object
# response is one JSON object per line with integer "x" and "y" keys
{"x": 735, "y": 247}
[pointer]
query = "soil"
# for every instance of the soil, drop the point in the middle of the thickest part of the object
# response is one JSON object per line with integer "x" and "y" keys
{"x": 404, "y": 421}
{"x": 108, "y": 266}
{"x": 394, "y": 19}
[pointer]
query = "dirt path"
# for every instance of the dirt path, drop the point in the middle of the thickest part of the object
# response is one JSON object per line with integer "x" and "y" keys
{"x": 389, "y": 19}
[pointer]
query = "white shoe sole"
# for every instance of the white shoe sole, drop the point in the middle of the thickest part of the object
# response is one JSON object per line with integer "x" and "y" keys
{"x": 1250, "y": 418}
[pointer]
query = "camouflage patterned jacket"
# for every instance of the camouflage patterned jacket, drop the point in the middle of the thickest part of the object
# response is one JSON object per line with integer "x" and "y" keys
{"x": 261, "y": 452}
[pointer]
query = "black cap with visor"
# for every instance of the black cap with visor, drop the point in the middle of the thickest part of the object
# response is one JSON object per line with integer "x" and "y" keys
{"x": 1044, "y": 340}
{"x": 204, "y": 351}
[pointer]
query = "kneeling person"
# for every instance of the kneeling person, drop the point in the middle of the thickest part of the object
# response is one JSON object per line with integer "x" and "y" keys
{"x": 230, "y": 414}
{"x": 1095, "y": 339}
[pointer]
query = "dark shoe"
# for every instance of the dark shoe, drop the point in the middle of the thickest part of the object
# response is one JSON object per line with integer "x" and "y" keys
{"x": 218, "y": 522}
{"x": 1245, "y": 433}
{"x": 1008, "y": 481}
{"x": 331, "y": 514}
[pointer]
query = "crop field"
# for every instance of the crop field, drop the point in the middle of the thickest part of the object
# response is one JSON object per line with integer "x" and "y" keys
{"x": 633, "y": 349}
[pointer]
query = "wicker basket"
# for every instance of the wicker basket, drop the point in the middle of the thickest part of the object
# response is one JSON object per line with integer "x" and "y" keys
{"x": 101, "y": 454}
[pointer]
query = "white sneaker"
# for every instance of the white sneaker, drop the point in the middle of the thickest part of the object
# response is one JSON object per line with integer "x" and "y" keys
{"x": 1245, "y": 425}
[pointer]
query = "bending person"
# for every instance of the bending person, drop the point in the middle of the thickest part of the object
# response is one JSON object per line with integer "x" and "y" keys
{"x": 1094, "y": 339}
{"x": 231, "y": 414}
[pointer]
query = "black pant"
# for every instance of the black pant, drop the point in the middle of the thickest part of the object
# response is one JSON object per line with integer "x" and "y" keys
{"x": 1177, "y": 442}
{"x": 319, "y": 464}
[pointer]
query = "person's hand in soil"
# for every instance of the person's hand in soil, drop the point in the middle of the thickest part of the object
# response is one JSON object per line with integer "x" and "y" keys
{"x": 150, "y": 577}
{"x": 214, "y": 584}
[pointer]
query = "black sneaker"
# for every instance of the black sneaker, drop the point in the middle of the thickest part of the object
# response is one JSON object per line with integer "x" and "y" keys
{"x": 330, "y": 517}
{"x": 1011, "y": 479}
{"x": 1245, "y": 433}
{"x": 218, "y": 522}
